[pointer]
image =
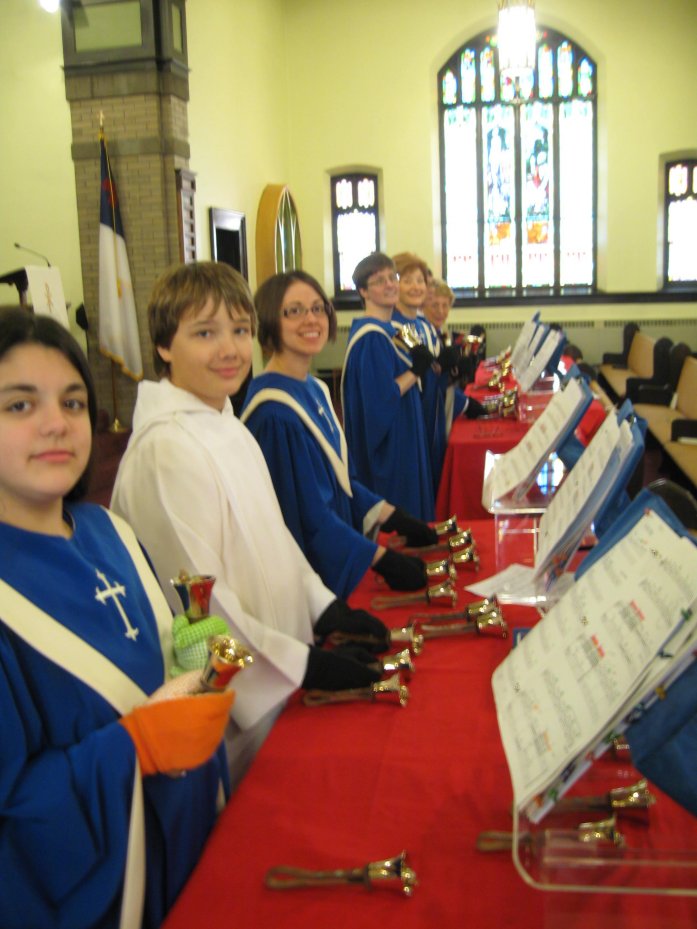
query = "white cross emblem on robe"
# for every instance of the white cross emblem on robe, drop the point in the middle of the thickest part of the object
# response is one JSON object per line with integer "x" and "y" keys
{"x": 113, "y": 592}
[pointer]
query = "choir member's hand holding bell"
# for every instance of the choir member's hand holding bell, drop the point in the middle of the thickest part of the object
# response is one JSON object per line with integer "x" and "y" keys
{"x": 421, "y": 360}
{"x": 416, "y": 532}
{"x": 178, "y": 729}
{"x": 345, "y": 668}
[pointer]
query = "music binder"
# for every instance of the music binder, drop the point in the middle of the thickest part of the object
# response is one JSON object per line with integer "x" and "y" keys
{"x": 580, "y": 676}
{"x": 513, "y": 472}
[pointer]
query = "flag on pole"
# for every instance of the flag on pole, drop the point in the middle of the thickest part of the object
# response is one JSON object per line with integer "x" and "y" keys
{"x": 118, "y": 324}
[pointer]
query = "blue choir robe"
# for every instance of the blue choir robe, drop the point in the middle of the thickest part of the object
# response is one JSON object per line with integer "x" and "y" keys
{"x": 85, "y": 635}
{"x": 384, "y": 429}
{"x": 439, "y": 399}
{"x": 329, "y": 512}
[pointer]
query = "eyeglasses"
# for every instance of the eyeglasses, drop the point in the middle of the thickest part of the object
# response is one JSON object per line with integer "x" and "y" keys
{"x": 383, "y": 280}
{"x": 298, "y": 311}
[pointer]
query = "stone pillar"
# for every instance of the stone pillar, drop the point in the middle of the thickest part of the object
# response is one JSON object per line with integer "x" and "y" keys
{"x": 144, "y": 104}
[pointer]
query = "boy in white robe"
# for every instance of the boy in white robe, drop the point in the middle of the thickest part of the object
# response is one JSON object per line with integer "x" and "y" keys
{"x": 195, "y": 486}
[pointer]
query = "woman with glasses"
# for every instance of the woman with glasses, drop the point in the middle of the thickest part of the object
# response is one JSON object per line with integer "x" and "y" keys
{"x": 333, "y": 517}
{"x": 383, "y": 416}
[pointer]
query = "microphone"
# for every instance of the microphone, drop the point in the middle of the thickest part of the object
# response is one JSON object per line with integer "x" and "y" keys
{"x": 23, "y": 248}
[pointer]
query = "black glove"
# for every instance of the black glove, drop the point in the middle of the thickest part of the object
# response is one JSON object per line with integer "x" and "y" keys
{"x": 417, "y": 533}
{"x": 339, "y": 617}
{"x": 421, "y": 360}
{"x": 466, "y": 368}
{"x": 474, "y": 409}
{"x": 449, "y": 357}
{"x": 328, "y": 671}
{"x": 358, "y": 653}
{"x": 402, "y": 572}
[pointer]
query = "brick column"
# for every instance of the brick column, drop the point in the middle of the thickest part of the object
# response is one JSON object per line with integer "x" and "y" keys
{"x": 146, "y": 128}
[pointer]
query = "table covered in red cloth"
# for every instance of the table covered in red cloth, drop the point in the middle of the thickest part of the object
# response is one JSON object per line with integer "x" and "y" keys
{"x": 460, "y": 488}
{"x": 338, "y": 786}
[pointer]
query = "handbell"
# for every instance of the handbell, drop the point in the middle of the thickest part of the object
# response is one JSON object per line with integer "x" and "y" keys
{"x": 509, "y": 403}
{"x": 439, "y": 593}
{"x": 447, "y": 543}
{"x": 406, "y": 337}
{"x": 226, "y": 658}
{"x": 495, "y": 382}
{"x": 470, "y": 612}
{"x": 446, "y": 527}
{"x": 405, "y": 635}
{"x": 391, "y": 686}
{"x": 195, "y": 594}
{"x": 400, "y": 662}
{"x": 410, "y": 635}
{"x": 468, "y": 555}
{"x": 440, "y": 570}
{"x": 373, "y": 874}
{"x": 489, "y": 625}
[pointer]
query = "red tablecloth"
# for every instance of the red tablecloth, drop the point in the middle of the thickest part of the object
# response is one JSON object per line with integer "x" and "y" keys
{"x": 460, "y": 489}
{"x": 341, "y": 785}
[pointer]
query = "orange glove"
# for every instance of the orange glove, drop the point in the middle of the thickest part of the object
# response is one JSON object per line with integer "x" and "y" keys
{"x": 178, "y": 734}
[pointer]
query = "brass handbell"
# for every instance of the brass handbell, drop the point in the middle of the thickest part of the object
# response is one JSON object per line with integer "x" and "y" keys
{"x": 602, "y": 832}
{"x": 373, "y": 874}
{"x": 391, "y": 686}
{"x": 453, "y": 543}
{"x": 406, "y": 634}
{"x": 467, "y": 555}
{"x": 509, "y": 403}
{"x": 495, "y": 382}
{"x": 406, "y": 337}
{"x": 634, "y": 797}
{"x": 440, "y": 570}
{"x": 226, "y": 658}
{"x": 471, "y": 611}
{"x": 195, "y": 593}
{"x": 446, "y": 527}
{"x": 490, "y": 624}
{"x": 399, "y": 662}
{"x": 440, "y": 593}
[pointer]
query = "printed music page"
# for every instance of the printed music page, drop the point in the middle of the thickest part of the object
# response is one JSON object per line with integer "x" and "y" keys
{"x": 517, "y": 468}
{"x": 523, "y": 341}
{"x": 560, "y": 691}
{"x": 528, "y": 375}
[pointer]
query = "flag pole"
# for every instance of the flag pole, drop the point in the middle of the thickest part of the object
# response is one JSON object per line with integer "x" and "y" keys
{"x": 116, "y": 425}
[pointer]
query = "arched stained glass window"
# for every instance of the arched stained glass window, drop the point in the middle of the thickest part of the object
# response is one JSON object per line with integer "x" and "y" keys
{"x": 518, "y": 169}
{"x": 680, "y": 222}
{"x": 355, "y": 229}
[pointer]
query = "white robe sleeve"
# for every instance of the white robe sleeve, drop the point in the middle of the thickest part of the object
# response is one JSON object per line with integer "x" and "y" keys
{"x": 183, "y": 516}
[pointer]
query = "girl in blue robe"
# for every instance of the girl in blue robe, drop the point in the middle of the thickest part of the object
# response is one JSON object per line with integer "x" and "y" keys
{"x": 332, "y": 515}
{"x": 86, "y": 838}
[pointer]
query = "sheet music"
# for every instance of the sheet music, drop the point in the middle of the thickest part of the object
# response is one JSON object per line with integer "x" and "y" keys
{"x": 560, "y": 691}
{"x": 516, "y": 468}
{"x": 528, "y": 374}
{"x": 523, "y": 341}
{"x": 573, "y": 507}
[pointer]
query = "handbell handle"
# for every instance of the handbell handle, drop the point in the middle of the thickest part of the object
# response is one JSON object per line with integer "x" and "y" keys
{"x": 373, "y": 874}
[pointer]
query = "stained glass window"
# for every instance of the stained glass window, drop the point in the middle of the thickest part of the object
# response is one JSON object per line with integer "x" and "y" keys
{"x": 355, "y": 229}
{"x": 518, "y": 169}
{"x": 680, "y": 222}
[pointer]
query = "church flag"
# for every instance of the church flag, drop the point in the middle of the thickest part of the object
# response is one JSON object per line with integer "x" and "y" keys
{"x": 118, "y": 325}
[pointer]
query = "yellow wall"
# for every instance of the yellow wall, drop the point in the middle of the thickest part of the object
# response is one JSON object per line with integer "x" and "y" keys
{"x": 285, "y": 90}
{"x": 362, "y": 89}
{"x": 37, "y": 181}
{"x": 238, "y": 113}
